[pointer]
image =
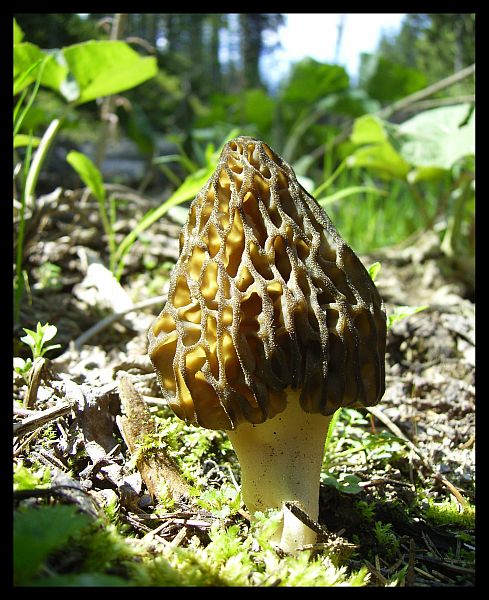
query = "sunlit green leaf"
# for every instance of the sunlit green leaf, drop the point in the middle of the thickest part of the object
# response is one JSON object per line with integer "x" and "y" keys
{"x": 18, "y": 33}
{"x": 102, "y": 68}
{"x": 374, "y": 270}
{"x": 401, "y": 312}
{"x": 438, "y": 137}
{"x": 368, "y": 129}
{"x": 25, "y": 55}
{"x": 381, "y": 158}
{"x": 88, "y": 172}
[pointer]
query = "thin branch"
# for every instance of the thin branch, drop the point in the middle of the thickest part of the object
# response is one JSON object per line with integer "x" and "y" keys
{"x": 39, "y": 419}
{"x": 104, "y": 323}
{"x": 397, "y": 432}
{"x": 434, "y": 88}
{"x": 402, "y": 104}
{"x": 437, "y": 102}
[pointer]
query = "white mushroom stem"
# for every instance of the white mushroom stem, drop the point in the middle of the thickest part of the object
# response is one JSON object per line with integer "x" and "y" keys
{"x": 281, "y": 462}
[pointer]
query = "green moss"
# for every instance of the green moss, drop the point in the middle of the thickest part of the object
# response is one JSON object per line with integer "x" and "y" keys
{"x": 448, "y": 512}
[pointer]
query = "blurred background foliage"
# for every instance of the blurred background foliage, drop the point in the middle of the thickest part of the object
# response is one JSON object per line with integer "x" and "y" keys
{"x": 209, "y": 83}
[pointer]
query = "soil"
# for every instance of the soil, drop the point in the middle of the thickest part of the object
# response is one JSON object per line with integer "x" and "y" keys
{"x": 430, "y": 394}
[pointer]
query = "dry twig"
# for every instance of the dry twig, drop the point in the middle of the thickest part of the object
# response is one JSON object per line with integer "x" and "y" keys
{"x": 397, "y": 432}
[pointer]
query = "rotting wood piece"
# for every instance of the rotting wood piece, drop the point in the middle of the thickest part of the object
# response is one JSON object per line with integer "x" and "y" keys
{"x": 137, "y": 427}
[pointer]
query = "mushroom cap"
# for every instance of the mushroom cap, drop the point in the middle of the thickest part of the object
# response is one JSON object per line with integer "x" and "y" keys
{"x": 265, "y": 295}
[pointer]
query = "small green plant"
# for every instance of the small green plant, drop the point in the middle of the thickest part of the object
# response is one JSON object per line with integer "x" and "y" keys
{"x": 345, "y": 483}
{"x": 386, "y": 538}
{"x": 36, "y": 340}
{"x": 401, "y": 312}
{"x": 49, "y": 277}
{"x": 366, "y": 510}
{"x": 79, "y": 73}
{"x": 28, "y": 479}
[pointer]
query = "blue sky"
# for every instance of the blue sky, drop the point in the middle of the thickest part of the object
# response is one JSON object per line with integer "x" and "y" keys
{"x": 316, "y": 35}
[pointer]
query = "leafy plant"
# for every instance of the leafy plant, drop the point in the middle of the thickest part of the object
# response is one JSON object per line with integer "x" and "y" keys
{"x": 36, "y": 340}
{"x": 26, "y": 479}
{"x": 79, "y": 74}
{"x": 402, "y": 312}
{"x": 436, "y": 145}
{"x": 386, "y": 538}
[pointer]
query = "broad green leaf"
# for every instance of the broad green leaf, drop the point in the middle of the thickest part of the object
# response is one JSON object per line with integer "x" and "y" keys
{"x": 40, "y": 531}
{"x": 381, "y": 158}
{"x": 25, "y": 55}
{"x": 102, "y": 68}
{"x": 368, "y": 129}
{"x": 438, "y": 137}
{"x": 311, "y": 80}
{"x": 18, "y": 33}
{"x": 425, "y": 174}
{"x": 388, "y": 81}
{"x": 88, "y": 172}
{"x": 349, "y": 484}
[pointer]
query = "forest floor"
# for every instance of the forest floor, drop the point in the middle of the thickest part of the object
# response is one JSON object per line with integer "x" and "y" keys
{"x": 429, "y": 399}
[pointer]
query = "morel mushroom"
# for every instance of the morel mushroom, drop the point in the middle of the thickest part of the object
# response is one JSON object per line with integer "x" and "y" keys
{"x": 271, "y": 324}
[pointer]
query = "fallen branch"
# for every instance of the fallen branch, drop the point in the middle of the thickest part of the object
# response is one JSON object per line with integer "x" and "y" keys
{"x": 137, "y": 426}
{"x": 105, "y": 322}
{"x": 39, "y": 419}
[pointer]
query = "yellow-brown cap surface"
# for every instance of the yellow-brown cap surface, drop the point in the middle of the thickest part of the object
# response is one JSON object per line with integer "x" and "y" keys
{"x": 265, "y": 295}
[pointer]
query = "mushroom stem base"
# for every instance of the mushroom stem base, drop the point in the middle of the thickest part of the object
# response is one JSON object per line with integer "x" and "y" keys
{"x": 281, "y": 462}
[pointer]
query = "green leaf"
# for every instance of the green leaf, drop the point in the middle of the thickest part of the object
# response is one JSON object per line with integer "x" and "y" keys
{"x": 40, "y": 531}
{"x": 381, "y": 158}
{"x": 374, "y": 270}
{"x": 24, "y": 479}
{"x": 389, "y": 81}
{"x": 401, "y": 312}
{"x": 311, "y": 80}
{"x": 102, "y": 68}
{"x": 349, "y": 484}
{"x": 88, "y": 172}
{"x": 438, "y": 138}
{"x": 25, "y": 56}
{"x": 368, "y": 130}
{"x": 425, "y": 174}
{"x": 18, "y": 33}
{"x": 354, "y": 189}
